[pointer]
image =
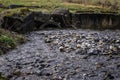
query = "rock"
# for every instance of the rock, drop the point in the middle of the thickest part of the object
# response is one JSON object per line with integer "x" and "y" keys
{"x": 93, "y": 51}
{"x": 77, "y": 36}
{"x": 61, "y": 48}
{"x": 117, "y": 41}
{"x": 78, "y": 41}
{"x": 29, "y": 68}
{"x": 77, "y": 51}
{"x": 38, "y": 72}
{"x": 83, "y": 36}
{"x": 73, "y": 46}
{"x": 119, "y": 47}
{"x": 47, "y": 40}
{"x": 96, "y": 40}
{"x": 99, "y": 65}
{"x": 17, "y": 73}
{"x": 66, "y": 46}
{"x": 118, "y": 65}
{"x": 78, "y": 45}
{"x": 46, "y": 72}
{"x": 81, "y": 51}
{"x": 69, "y": 41}
{"x": 67, "y": 50}
{"x": 100, "y": 42}
{"x": 109, "y": 76}
{"x": 55, "y": 42}
{"x": 53, "y": 37}
{"x": 85, "y": 44}
{"x": 113, "y": 48}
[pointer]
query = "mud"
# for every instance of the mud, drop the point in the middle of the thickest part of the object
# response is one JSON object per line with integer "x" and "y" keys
{"x": 46, "y": 56}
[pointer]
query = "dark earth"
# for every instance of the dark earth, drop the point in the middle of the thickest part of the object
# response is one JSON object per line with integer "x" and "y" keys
{"x": 65, "y": 55}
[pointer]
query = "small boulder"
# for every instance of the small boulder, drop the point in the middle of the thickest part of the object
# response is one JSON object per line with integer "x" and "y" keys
{"x": 47, "y": 40}
{"x": 61, "y": 48}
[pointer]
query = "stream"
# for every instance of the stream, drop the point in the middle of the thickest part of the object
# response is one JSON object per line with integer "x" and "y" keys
{"x": 65, "y": 55}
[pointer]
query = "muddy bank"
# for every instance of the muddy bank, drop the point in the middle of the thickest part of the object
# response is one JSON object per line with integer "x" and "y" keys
{"x": 60, "y": 18}
{"x": 46, "y": 56}
{"x": 96, "y": 21}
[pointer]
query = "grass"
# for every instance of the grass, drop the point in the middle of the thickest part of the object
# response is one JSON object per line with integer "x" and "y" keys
{"x": 88, "y": 8}
{"x": 92, "y": 2}
{"x": 12, "y": 12}
{"x": 44, "y": 5}
{"x": 9, "y": 40}
{"x": 50, "y": 5}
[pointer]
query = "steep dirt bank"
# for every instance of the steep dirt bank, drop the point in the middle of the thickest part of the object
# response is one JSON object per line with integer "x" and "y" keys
{"x": 97, "y": 21}
{"x": 65, "y": 55}
{"x": 60, "y": 18}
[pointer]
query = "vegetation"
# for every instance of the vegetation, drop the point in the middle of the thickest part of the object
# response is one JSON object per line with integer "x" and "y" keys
{"x": 3, "y": 77}
{"x": 45, "y": 5}
{"x": 73, "y": 5}
{"x": 95, "y": 2}
{"x": 9, "y": 40}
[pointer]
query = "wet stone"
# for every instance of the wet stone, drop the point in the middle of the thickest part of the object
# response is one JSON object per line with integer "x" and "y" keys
{"x": 65, "y": 55}
{"x": 61, "y": 48}
{"x": 93, "y": 52}
{"x": 47, "y": 40}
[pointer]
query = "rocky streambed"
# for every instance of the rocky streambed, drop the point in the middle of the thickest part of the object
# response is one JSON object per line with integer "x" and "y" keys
{"x": 65, "y": 55}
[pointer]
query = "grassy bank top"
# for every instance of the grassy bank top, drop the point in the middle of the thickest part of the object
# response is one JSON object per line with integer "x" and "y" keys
{"x": 50, "y": 5}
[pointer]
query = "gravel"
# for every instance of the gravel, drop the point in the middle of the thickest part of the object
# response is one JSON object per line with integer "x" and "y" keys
{"x": 65, "y": 55}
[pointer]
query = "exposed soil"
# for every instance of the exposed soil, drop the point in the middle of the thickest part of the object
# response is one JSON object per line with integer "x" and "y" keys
{"x": 65, "y": 55}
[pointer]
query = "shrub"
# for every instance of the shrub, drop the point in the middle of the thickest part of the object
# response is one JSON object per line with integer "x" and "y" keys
{"x": 9, "y": 40}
